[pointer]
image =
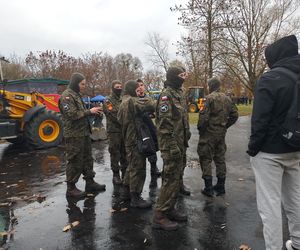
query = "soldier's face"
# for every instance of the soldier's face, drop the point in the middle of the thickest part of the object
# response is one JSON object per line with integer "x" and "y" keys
{"x": 118, "y": 86}
{"x": 82, "y": 85}
{"x": 141, "y": 89}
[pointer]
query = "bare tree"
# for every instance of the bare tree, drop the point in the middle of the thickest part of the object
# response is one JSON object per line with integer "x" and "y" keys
{"x": 159, "y": 55}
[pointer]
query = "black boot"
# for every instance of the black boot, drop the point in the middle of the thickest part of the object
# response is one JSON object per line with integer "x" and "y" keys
{"x": 73, "y": 191}
{"x": 138, "y": 202}
{"x": 125, "y": 193}
{"x": 155, "y": 171}
{"x": 208, "y": 189}
{"x": 219, "y": 188}
{"x": 92, "y": 186}
{"x": 175, "y": 215}
{"x": 161, "y": 221}
{"x": 116, "y": 178}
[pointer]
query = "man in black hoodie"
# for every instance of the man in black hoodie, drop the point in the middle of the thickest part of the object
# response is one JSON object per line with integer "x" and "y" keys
{"x": 275, "y": 164}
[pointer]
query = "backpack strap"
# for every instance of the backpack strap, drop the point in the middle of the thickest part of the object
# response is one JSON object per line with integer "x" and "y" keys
{"x": 296, "y": 79}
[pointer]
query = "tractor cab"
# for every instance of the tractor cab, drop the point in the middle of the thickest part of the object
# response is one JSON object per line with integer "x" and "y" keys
{"x": 195, "y": 98}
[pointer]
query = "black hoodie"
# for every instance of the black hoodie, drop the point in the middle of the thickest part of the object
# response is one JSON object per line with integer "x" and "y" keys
{"x": 272, "y": 98}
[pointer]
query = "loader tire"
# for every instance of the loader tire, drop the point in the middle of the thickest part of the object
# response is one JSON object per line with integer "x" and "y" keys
{"x": 44, "y": 130}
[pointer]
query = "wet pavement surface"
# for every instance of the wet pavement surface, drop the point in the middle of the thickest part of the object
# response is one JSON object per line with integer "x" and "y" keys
{"x": 34, "y": 209}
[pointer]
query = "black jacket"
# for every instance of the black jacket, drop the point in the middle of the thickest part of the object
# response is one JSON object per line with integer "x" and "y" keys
{"x": 272, "y": 98}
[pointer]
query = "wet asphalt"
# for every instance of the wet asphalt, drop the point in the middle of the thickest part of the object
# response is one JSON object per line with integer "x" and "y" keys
{"x": 34, "y": 209}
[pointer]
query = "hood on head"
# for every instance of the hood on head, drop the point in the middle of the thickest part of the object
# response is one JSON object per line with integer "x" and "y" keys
{"x": 116, "y": 91}
{"x": 282, "y": 48}
{"x": 76, "y": 78}
{"x": 130, "y": 87}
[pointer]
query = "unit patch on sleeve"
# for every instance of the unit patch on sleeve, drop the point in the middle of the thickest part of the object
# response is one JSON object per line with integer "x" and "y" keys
{"x": 164, "y": 108}
{"x": 164, "y": 98}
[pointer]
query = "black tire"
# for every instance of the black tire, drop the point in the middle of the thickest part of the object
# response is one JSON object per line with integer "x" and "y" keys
{"x": 44, "y": 130}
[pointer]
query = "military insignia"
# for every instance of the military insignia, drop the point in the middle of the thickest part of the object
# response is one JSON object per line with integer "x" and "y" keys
{"x": 67, "y": 98}
{"x": 164, "y": 98}
{"x": 164, "y": 108}
{"x": 66, "y": 107}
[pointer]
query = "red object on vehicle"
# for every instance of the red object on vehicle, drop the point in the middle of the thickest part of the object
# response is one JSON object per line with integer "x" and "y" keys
{"x": 50, "y": 101}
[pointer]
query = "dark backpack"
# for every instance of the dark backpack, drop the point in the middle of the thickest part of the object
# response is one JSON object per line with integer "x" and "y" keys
{"x": 290, "y": 129}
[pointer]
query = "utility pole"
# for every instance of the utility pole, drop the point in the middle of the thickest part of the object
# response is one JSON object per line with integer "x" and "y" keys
{"x": 2, "y": 59}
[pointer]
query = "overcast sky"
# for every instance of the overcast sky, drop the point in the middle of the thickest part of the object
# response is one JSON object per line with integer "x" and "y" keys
{"x": 80, "y": 26}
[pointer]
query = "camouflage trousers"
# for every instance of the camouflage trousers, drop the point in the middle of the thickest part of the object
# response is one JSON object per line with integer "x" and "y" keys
{"x": 212, "y": 148}
{"x": 136, "y": 171}
{"x": 171, "y": 181}
{"x": 183, "y": 166}
{"x": 117, "y": 152}
{"x": 79, "y": 158}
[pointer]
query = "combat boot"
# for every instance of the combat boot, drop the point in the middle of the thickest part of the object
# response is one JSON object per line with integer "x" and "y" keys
{"x": 184, "y": 191}
{"x": 219, "y": 188}
{"x": 138, "y": 202}
{"x": 125, "y": 193}
{"x": 161, "y": 221}
{"x": 92, "y": 186}
{"x": 175, "y": 215}
{"x": 208, "y": 189}
{"x": 155, "y": 171}
{"x": 73, "y": 191}
{"x": 116, "y": 178}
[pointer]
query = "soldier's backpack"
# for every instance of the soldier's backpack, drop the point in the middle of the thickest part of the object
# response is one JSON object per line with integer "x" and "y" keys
{"x": 290, "y": 129}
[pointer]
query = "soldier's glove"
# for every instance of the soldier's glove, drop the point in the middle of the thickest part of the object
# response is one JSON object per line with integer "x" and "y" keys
{"x": 175, "y": 150}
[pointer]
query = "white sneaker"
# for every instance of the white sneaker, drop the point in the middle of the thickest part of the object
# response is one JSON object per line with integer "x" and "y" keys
{"x": 288, "y": 245}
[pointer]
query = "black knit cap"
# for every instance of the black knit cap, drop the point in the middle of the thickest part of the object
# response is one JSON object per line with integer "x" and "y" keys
{"x": 130, "y": 87}
{"x": 76, "y": 78}
{"x": 214, "y": 84}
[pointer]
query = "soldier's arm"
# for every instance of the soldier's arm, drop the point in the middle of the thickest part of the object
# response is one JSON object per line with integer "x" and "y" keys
{"x": 69, "y": 109}
{"x": 233, "y": 115}
{"x": 109, "y": 111}
{"x": 144, "y": 105}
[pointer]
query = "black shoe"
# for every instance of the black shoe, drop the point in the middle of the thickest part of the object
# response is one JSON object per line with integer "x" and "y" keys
{"x": 161, "y": 221}
{"x": 138, "y": 202}
{"x": 74, "y": 192}
{"x": 176, "y": 215}
{"x": 125, "y": 193}
{"x": 219, "y": 188}
{"x": 208, "y": 189}
{"x": 92, "y": 186}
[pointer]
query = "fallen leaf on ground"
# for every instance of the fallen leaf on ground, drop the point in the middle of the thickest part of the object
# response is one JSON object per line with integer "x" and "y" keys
{"x": 12, "y": 185}
{"x": 244, "y": 247}
{"x": 119, "y": 210}
{"x": 124, "y": 209}
{"x": 4, "y": 204}
{"x": 14, "y": 198}
{"x": 241, "y": 179}
{"x": 71, "y": 225}
{"x": 90, "y": 195}
{"x": 5, "y": 233}
{"x": 3, "y": 173}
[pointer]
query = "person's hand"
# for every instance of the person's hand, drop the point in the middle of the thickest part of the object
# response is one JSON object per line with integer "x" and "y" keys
{"x": 96, "y": 110}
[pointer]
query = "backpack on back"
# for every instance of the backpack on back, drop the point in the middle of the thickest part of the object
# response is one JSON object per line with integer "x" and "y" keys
{"x": 290, "y": 129}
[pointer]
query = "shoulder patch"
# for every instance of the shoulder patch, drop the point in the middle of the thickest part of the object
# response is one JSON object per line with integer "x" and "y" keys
{"x": 164, "y": 98}
{"x": 67, "y": 97}
{"x": 164, "y": 108}
{"x": 66, "y": 107}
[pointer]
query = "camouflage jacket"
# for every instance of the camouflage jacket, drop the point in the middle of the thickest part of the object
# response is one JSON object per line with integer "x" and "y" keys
{"x": 74, "y": 114}
{"x": 218, "y": 114}
{"x": 130, "y": 109}
{"x": 172, "y": 119}
{"x": 111, "y": 107}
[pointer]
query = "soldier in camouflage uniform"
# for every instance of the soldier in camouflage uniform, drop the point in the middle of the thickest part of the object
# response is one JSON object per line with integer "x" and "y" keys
{"x": 172, "y": 138}
{"x": 131, "y": 107}
{"x": 217, "y": 116}
{"x": 77, "y": 135}
{"x": 113, "y": 127}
